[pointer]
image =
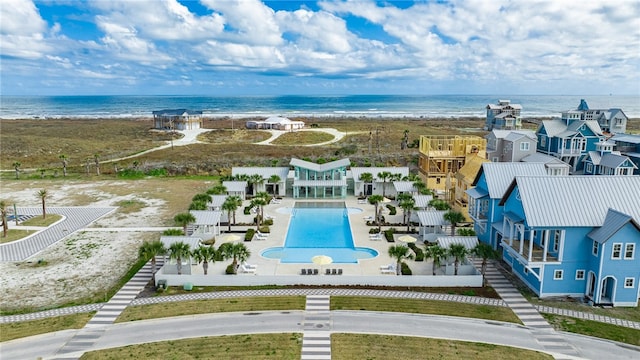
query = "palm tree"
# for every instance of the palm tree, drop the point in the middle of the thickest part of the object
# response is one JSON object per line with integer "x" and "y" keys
{"x": 238, "y": 202}
{"x": 204, "y": 255}
{"x": 437, "y": 253}
{"x": 274, "y": 180}
{"x": 486, "y": 252}
{"x": 453, "y": 217}
{"x": 217, "y": 190}
{"x": 202, "y": 197}
{"x": 64, "y": 160}
{"x": 254, "y": 180}
{"x": 230, "y": 205}
{"x": 399, "y": 252}
{"x": 236, "y": 251}
{"x": 149, "y": 250}
{"x": 384, "y": 175}
{"x": 42, "y": 194}
{"x": 184, "y": 219}
{"x": 407, "y": 203}
{"x": 198, "y": 205}
{"x": 96, "y": 160}
{"x": 458, "y": 252}
{"x": 375, "y": 200}
{"x": 16, "y": 166}
{"x": 179, "y": 250}
{"x": 439, "y": 204}
{"x": 366, "y": 178}
{"x": 3, "y": 215}
{"x": 260, "y": 201}
{"x": 200, "y": 201}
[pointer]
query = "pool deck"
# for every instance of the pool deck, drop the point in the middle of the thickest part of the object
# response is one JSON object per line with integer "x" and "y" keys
{"x": 359, "y": 230}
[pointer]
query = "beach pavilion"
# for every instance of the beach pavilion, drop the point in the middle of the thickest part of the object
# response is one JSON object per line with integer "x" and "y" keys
{"x": 275, "y": 123}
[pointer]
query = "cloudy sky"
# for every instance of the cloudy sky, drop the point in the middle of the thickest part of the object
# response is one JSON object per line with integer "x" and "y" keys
{"x": 251, "y": 47}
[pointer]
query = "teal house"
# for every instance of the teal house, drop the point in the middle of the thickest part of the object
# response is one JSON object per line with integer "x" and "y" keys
{"x": 323, "y": 181}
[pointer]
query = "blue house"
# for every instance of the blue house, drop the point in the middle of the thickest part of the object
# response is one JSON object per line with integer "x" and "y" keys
{"x": 328, "y": 180}
{"x": 575, "y": 236}
{"x": 605, "y": 161}
{"x": 569, "y": 138}
{"x": 490, "y": 183}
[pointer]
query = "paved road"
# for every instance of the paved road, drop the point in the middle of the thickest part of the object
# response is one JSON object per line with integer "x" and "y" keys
{"x": 441, "y": 327}
{"x": 74, "y": 219}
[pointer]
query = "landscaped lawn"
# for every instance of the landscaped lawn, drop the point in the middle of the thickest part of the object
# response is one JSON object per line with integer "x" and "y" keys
{"x": 10, "y": 331}
{"x": 594, "y": 328}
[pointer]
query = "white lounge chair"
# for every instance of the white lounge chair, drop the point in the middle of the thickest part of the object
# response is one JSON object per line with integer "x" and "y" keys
{"x": 388, "y": 269}
{"x": 245, "y": 269}
{"x": 368, "y": 218}
{"x": 362, "y": 201}
{"x": 259, "y": 236}
{"x": 249, "y": 266}
{"x": 375, "y": 237}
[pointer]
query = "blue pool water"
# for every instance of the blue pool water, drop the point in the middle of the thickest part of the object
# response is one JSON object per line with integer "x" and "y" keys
{"x": 319, "y": 231}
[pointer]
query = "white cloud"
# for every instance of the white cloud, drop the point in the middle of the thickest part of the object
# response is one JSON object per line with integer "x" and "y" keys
{"x": 22, "y": 30}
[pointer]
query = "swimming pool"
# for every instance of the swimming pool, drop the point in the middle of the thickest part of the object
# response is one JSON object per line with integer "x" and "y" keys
{"x": 319, "y": 228}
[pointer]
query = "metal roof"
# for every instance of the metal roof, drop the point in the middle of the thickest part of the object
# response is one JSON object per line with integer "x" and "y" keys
{"x": 192, "y": 241}
{"x": 543, "y": 158}
{"x": 628, "y": 138}
{"x": 499, "y": 175}
{"x": 265, "y": 172}
{"x": 422, "y": 201}
{"x": 432, "y": 218}
{"x": 235, "y": 186}
{"x": 217, "y": 200}
{"x": 476, "y": 193}
{"x": 320, "y": 167}
{"x": 517, "y": 135}
{"x": 554, "y": 127}
{"x": 357, "y": 171}
{"x": 469, "y": 242}
{"x": 206, "y": 217}
{"x": 404, "y": 186}
{"x": 613, "y": 222}
{"x": 176, "y": 112}
{"x": 614, "y": 161}
{"x": 576, "y": 200}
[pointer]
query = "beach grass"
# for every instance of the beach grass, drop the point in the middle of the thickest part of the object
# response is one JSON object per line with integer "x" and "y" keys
{"x": 303, "y": 138}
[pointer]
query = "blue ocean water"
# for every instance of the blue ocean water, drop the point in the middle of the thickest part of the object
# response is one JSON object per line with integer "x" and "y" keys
{"x": 29, "y": 107}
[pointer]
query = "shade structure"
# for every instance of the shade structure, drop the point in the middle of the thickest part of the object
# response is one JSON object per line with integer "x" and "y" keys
{"x": 431, "y": 237}
{"x": 322, "y": 260}
{"x": 229, "y": 237}
{"x": 407, "y": 239}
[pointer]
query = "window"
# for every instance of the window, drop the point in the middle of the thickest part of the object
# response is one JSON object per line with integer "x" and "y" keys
{"x": 583, "y": 145}
{"x": 543, "y": 140}
{"x": 579, "y": 274}
{"x": 495, "y": 159}
{"x": 629, "y": 282}
{"x": 524, "y": 146}
{"x": 557, "y": 275}
{"x": 556, "y": 240}
{"x": 594, "y": 250}
{"x": 589, "y": 167}
{"x": 628, "y": 251}
{"x": 617, "y": 251}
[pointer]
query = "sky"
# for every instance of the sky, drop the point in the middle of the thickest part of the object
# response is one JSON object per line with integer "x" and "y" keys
{"x": 251, "y": 47}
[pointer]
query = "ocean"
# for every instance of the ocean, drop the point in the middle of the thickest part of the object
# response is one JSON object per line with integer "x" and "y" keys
{"x": 371, "y": 106}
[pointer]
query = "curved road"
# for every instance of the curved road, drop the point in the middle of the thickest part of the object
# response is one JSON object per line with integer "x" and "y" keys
{"x": 193, "y": 326}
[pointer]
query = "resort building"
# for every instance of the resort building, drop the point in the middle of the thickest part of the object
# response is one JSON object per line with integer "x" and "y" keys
{"x": 377, "y": 180}
{"x": 311, "y": 180}
{"x": 275, "y": 123}
{"x": 510, "y": 145}
{"x": 574, "y": 236}
{"x": 442, "y": 156}
{"x": 272, "y": 180}
{"x": 177, "y": 119}
{"x": 503, "y": 116}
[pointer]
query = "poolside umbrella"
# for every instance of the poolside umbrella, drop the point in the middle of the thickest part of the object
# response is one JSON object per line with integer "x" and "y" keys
{"x": 407, "y": 239}
{"x": 322, "y": 260}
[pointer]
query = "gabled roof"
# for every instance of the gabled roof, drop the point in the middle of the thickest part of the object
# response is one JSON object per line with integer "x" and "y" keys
{"x": 500, "y": 175}
{"x": 553, "y": 127}
{"x": 614, "y": 161}
{"x": 320, "y": 167}
{"x": 575, "y": 200}
{"x": 628, "y": 138}
{"x": 422, "y": 201}
{"x": 404, "y": 186}
{"x": 431, "y": 218}
{"x": 544, "y": 159}
{"x": 613, "y": 222}
{"x": 594, "y": 156}
{"x": 591, "y": 124}
{"x": 358, "y": 170}
{"x": 469, "y": 242}
{"x": 206, "y": 217}
{"x": 265, "y": 172}
{"x": 217, "y": 200}
{"x": 469, "y": 170}
{"x": 235, "y": 186}
{"x": 176, "y": 112}
{"x": 515, "y": 134}
{"x": 192, "y": 241}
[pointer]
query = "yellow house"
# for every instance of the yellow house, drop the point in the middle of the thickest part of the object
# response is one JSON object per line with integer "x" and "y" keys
{"x": 464, "y": 178}
{"x": 443, "y": 155}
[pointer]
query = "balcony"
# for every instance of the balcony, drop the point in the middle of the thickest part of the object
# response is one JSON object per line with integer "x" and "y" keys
{"x": 537, "y": 253}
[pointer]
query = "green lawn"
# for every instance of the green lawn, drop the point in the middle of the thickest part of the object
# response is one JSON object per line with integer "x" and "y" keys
{"x": 595, "y": 329}
{"x": 10, "y": 331}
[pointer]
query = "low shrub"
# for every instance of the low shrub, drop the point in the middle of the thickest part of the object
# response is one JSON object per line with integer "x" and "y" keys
{"x": 247, "y": 210}
{"x": 466, "y": 232}
{"x": 249, "y": 235}
{"x": 392, "y": 209}
{"x": 268, "y": 222}
{"x": 388, "y": 234}
{"x": 373, "y": 230}
{"x": 264, "y": 229}
{"x": 405, "y": 269}
{"x": 418, "y": 251}
{"x": 173, "y": 232}
{"x": 230, "y": 270}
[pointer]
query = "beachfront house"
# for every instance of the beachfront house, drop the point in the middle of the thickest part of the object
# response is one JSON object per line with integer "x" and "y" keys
{"x": 275, "y": 123}
{"x": 443, "y": 155}
{"x": 574, "y": 236}
{"x": 510, "y": 145}
{"x": 553, "y": 165}
{"x": 177, "y": 119}
{"x": 611, "y": 121}
{"x": 629, "y": 145}
{"x": 569, "y": 138}
{"x": 605, "y": 161}
{"x": 503, "y": 116}
{"x": 490, "y": 183}
{"x": 311, "y": 180}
